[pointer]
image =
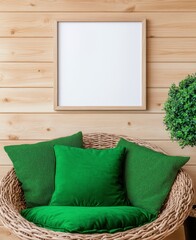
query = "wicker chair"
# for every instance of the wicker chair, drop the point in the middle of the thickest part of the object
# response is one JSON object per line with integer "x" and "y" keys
{"x": 175, "y": 210}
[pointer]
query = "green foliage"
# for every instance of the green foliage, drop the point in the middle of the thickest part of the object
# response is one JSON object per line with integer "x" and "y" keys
{"x": 180, "y": 107}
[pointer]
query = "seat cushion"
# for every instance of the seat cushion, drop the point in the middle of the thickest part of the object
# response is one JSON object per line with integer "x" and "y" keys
{"x": 89, "y": 177}
{"x": 149, "y": 175}
{"x": 87, "y": 219}
{"x": 34, "y": 165}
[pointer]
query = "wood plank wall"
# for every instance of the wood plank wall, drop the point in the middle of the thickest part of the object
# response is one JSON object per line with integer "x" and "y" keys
{"x": 26, "y": 71}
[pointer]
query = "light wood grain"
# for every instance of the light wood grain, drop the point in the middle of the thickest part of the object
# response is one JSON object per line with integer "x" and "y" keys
{"x": 26, "y": 75}
{"x": 41, "y": 100}
{"x": 171, "y": 148}
{"x": 171, "y": 50}
{"x": 4, "y": 159}
{"x": 41, "y": 24}
{"x": 98, "y": 5}
{"x": 26, "y": 100}
{"x": 156, "y": 98}
{"x": 167, "y": 24}
{"x": 163, "y": 6}
{"x": 26, "y": 49}
{"x": 165, "y": 74}
{"x": 42, "y": 74}
{"x": 66, "y": 5}
{"x": 40, "y": 49}
{"x": 47, "y": 126}
{"x": 26, "y": 25}
{"x": 4, "y": 170}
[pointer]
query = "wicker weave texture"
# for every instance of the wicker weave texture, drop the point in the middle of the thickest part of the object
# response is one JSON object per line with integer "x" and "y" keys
{"x": 174, "y": 212}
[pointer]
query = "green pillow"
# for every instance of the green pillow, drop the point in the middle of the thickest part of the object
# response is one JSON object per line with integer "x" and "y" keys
{"x": 149, "y": 175}
{"x": 88, "y": 219}
{"x": 89, "y": 177}
{"x": 34, "y": 165}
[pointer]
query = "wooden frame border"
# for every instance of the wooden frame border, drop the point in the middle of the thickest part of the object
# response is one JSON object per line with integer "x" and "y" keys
{"x": 99, "y": 17}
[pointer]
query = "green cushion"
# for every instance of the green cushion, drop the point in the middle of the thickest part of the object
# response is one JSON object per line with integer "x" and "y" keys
{"x": 34, "y": 165}
{"x": 88, "y": 177}
{"x": 88, "y": 219}
{"x": 149, "y": 175}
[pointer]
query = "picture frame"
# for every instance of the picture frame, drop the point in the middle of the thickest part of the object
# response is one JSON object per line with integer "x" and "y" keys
{"x": 100, "y": 62}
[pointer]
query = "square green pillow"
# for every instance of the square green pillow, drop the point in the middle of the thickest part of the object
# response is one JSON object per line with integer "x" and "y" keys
{"x": 89, "y": 177}
{"x": 149, "y": 175}
{"x": 34, "y": 165}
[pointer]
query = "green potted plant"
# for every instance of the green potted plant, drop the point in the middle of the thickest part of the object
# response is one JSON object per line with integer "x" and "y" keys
{"x": 180, "y": 108}
{"x": 180, "y": 121}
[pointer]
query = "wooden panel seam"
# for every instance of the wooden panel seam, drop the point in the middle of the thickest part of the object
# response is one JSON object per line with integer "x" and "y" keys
{"x": 15, "y": 24}
{"x": 99, "y": 5}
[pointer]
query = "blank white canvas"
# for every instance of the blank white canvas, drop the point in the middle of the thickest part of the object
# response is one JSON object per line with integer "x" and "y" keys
{"x": 100, "y": 64}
